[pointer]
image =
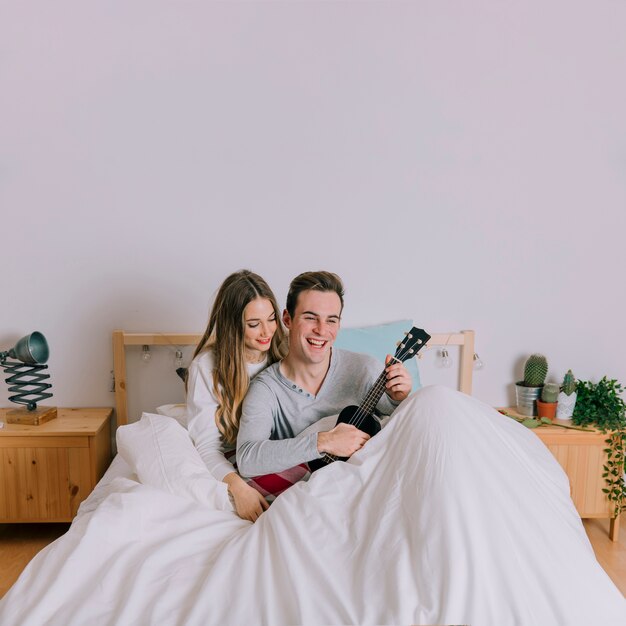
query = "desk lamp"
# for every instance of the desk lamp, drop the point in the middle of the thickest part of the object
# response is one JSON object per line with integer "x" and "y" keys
{"x": 26, "y": 378}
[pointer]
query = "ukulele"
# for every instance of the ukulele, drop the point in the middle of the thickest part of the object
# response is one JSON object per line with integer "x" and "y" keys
{"x": 362, "y": 416}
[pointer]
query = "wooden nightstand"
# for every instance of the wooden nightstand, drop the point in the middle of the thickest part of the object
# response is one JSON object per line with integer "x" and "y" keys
{"x": 46, "y": 471}
{"x": 581, "y": 455}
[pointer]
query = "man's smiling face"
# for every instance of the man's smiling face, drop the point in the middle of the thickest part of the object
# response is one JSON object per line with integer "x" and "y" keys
{"x": 314, "y": 326}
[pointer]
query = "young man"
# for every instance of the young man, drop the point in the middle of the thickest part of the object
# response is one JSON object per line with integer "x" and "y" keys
{"x": 312, "y": 381}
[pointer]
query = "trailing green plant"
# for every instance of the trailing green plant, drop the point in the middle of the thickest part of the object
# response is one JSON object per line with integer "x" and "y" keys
{"x": 601, "y": 404}
{"x": 550, "y": 392}
{"x": 535, "y": 370}
{"x": 568, "y": 386}
{"x": 536, "y": 422}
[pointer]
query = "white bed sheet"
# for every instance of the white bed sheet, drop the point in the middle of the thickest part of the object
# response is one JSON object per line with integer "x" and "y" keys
{"x": 452, "y": 514}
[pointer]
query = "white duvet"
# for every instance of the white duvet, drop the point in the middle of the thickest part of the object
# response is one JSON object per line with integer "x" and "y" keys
{"x": 453, "y": 514}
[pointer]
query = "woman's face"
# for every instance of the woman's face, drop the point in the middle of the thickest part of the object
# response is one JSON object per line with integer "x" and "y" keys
{"x": 259, "y": 325}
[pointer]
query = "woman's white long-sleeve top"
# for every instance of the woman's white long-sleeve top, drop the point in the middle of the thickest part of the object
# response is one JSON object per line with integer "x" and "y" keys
{"x": 201, "y": 407}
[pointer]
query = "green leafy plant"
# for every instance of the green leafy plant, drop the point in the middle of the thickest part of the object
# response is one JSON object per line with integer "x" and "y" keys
{"x": 569, "y": 383}
{"x": 535, "y": 370}
{"x": 550, "y": 392}
{"x": 601, "y": 405}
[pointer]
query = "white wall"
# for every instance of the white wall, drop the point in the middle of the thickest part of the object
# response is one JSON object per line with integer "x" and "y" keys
{"x": 459, "y": 163}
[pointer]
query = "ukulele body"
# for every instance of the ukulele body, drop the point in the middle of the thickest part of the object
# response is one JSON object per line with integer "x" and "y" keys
{"x": 367, "y": 423}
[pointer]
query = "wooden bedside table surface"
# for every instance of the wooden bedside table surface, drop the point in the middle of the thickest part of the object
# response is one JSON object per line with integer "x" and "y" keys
{"x": 563, "y": 436}
{"x": 68, "y": 422}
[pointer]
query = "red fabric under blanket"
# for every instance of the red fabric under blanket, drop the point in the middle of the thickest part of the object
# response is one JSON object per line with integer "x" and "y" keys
{"x": 272, "y": 485}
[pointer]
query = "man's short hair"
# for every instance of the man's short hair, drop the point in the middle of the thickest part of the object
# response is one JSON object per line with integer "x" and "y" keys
{"x": 313, "y": 281}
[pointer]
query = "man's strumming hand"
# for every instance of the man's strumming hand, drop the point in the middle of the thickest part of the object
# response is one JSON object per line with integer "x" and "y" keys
{"x": 343, "y": 440}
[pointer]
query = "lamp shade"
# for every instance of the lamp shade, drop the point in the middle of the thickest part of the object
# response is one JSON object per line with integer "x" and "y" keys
{"x": 31, "y": 349}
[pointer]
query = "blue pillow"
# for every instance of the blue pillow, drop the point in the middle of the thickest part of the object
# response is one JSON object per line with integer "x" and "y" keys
{"x": 378, "y": 341}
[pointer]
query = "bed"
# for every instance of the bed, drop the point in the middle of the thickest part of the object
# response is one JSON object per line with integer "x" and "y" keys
{"x": 430, "y": 534}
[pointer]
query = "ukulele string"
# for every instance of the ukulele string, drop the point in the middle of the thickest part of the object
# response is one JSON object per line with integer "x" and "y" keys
{"x": 365, "y": 410}
{"x": 361, "y": 413}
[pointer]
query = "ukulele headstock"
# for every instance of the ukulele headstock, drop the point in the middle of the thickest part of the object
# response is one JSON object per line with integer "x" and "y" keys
{"x": 414, "y": 340}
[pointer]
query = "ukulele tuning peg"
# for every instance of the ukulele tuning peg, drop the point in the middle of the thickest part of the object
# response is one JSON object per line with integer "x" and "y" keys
{"x": 411, "y": 351}
{"x": 398, "y": 344}
{"x": 402, "y": 345}
{"x": 410, "y": 336}
{"x": 420, "y": 341}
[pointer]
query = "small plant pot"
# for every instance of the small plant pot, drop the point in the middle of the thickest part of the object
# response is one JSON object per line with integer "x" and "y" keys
{"x": 546, "y": 409}
{"x": 526, "y": 398}
{"x": 565, "y": 409}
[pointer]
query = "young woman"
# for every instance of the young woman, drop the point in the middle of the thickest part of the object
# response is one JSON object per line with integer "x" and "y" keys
{"x": 244, "y": 336}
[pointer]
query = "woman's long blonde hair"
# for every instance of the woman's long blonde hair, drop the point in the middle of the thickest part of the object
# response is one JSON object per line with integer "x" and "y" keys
{"x": 224, "y": 335}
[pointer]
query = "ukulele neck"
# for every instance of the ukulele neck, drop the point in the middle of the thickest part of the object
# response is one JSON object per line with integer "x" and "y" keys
{"x": 375, "y": 393}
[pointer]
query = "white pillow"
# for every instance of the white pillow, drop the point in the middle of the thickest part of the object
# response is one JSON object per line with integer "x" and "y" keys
{"x": 162, "y": 455}
{"x": 175, "y": 411}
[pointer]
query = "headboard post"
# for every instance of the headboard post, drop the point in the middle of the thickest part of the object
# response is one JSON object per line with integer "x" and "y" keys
{"x": 119, "y": 375}
{"x": 467, "y": 362}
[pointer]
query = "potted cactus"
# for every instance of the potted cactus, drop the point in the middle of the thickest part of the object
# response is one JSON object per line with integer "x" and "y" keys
{"x": 546, "y": 406}
{"x": 567, "y": 397}
{"x": 527, "y": 391}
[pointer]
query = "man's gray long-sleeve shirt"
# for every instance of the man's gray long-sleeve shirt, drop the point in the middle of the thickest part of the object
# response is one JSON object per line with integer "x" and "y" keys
{"x": 276, "y": 410}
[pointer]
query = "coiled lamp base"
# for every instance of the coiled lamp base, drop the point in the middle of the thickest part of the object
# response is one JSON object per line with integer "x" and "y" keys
{"x": 26, "y": 383}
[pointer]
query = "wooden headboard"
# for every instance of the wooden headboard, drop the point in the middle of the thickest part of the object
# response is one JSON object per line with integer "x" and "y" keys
{"x": 464, "y": 339}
